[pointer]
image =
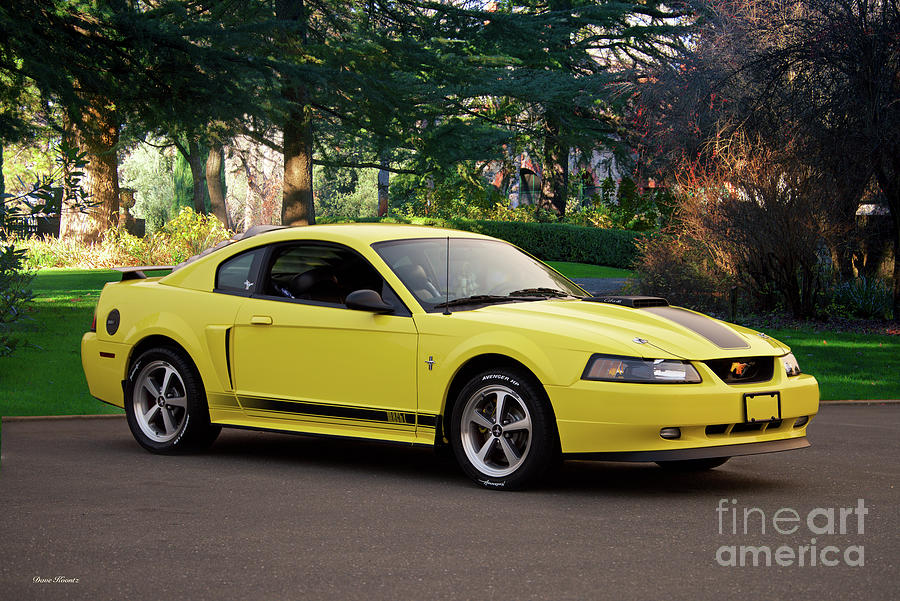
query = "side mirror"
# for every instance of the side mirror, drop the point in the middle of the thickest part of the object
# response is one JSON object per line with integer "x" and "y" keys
{"x": 367, "y": 300}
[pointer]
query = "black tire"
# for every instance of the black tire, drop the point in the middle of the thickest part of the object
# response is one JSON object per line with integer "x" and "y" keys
{"x": 498, "y": 458}
{"x": 693, "y": 465}
{"x": 165, "y": 404}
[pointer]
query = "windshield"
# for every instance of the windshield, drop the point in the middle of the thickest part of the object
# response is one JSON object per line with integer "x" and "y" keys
{"x": 481, "y": 272}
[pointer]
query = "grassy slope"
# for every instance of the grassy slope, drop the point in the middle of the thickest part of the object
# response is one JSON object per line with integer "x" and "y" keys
{"x": 46, "y": 378}
{"x": 847, "y": 365}
{"x": 583, "y": 270}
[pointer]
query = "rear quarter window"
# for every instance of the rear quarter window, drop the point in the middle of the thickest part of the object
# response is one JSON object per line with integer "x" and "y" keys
{"x": 237, "y": 275}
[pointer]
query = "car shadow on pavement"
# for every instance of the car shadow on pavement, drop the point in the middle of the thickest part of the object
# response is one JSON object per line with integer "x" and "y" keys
{"x": 642, "y": 479}
{"x": 280, "y": 451}
{"x": 300, "y": 450}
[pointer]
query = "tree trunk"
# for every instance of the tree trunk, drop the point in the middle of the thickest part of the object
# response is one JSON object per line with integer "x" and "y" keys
{"x": 249, "y": 203}
{"x": 2, "y": 182}
{"x": 98, "y": 136}
{"x": 198, "y": 176}
{"x": 555, "y": 183}
{"x": 214, "y": 185}
{"x": 895, "y": 215}
{"x": 384, "y": 178}
{"x": 889, "y": 182}
{"x": 297, "y": 207}
{"x": 516, "y": 160}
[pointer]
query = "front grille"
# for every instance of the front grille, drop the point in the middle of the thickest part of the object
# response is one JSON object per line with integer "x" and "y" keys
{"x": 749, "y": 427}
{"x": 743, "y": 428}
{"x": 743, "y": 370}
{"x": 717, "y": 429}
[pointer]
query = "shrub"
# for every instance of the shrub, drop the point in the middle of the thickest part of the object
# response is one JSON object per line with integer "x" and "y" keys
{"x": 189, "y": 234}
{"x": 186, "y": 235}
{"x": 46, "y": 193}
{"x": 15, "y": 291}
{"x": 598, "y": 216}
{"x": 149, "y": 171}
{"x": 546, "y": 241}
{"x": 562, "y": 241}
{"x": 865, "y": 297}
{"x": 760, "y": 216}
{"x": 527, "y": 214}
{"x": 345, "y": 193}
{"x": 683, "y": 272}
{"x": 460, "y": 192}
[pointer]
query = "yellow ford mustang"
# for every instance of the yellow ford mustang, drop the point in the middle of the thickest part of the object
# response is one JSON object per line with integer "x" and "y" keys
{"x": 434, "y": 337}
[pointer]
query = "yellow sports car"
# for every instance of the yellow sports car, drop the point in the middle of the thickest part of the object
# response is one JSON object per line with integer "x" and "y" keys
{"x": 434, "y": 337}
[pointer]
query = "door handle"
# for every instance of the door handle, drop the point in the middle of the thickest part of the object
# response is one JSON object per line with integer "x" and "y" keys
{"x": 261, "y": 320}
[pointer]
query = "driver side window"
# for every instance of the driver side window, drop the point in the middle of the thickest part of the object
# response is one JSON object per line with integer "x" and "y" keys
{"x": 318, "y": 273}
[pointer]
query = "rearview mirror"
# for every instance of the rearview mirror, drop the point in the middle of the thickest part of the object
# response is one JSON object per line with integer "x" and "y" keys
{"x": 367, "y": 300}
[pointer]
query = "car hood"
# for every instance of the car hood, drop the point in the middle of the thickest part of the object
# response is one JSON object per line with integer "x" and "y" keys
{"x": 637, "y": 331}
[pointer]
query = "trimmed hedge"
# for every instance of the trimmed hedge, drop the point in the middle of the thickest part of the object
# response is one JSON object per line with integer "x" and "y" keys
{"x": 546, "y": 241}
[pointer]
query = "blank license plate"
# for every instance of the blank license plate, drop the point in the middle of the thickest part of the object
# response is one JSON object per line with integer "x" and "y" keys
{"x": 762, "y": 407}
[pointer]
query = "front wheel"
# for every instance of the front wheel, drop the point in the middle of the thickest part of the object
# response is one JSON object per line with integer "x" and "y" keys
{"x": 165, "y": 404}
{"x": 502, "y": 430}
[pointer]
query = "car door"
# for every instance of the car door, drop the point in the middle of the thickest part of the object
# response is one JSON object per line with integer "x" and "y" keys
{"x": 300, "y": 354}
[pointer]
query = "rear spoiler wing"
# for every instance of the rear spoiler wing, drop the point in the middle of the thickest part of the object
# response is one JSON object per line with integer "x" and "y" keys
{"x": 137, "y": 273}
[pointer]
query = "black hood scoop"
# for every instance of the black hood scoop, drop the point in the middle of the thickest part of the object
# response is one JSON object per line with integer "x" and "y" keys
{"x": 637, "y": 302}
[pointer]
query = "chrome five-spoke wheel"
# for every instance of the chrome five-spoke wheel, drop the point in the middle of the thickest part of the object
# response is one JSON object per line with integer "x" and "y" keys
{"x": 502, "y": 429}
{"x": 160, "y": 401}
{"x": 496, "y": 435}
{"x": 165, "y": 403}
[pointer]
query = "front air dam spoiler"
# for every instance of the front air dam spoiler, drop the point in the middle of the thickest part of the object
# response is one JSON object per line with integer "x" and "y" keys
{"x": 730, "y": 450}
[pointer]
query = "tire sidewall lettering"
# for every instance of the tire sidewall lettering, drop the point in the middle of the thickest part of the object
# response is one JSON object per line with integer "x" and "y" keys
{"x": 492, "y": 484}
{"x": 184, "y": 428}
{"x": 502, "y": 378}
{"x": 135, "y": 369}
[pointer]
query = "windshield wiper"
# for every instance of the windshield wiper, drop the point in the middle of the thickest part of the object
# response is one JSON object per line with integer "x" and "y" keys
{"x": 541, "y": 292}
{"x": 480, "y": 299}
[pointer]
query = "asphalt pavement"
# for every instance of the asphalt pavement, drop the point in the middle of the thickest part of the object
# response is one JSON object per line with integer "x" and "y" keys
{"x": 600, "y": 286}
{"x": 87, "y": 514}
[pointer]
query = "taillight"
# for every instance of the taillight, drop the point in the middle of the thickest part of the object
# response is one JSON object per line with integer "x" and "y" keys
{"x": 94, "y": 323}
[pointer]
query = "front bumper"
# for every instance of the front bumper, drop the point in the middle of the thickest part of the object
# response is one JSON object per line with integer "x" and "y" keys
{"x": 623, "y": 421}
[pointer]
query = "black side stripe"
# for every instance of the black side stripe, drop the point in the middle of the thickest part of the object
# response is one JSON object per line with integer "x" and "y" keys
{"x": 428, "y": 421}
{"x": 338, "y": 411}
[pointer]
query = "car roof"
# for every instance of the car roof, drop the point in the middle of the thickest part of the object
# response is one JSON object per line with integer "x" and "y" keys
{"x": 190, "y": 274}
{"x": 359, "y": 233}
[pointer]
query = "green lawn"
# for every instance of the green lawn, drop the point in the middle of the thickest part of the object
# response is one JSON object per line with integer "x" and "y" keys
{"x": 583, "y": 270}
{"x": 45, "y": 377}
{"x": 848, "y": 366}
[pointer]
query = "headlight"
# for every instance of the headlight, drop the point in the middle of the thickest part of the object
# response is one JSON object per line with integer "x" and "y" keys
{"x": 791, "y": 367}
{"x": 612, "y": 368}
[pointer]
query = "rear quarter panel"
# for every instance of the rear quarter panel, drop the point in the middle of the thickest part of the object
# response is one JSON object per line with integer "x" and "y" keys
{"x": 197, "y": 321}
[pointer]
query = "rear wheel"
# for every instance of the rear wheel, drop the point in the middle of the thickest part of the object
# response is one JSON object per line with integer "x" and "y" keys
{"x": 502, "y": 430}
{"x": 693, "y": 465}
{"x": 166, "y": 405}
